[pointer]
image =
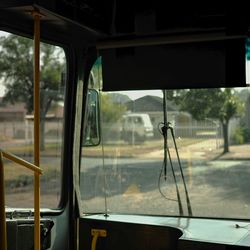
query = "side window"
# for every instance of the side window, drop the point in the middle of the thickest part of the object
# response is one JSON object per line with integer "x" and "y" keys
{"x": 16, "y": 118}
{"x": 138, "y": 120}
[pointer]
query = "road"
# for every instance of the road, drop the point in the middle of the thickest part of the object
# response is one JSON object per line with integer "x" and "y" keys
{"x": 218, "y": 188}
{"x": 131, "y": 185}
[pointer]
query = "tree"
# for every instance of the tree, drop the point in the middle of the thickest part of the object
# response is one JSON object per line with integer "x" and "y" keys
{"x": 111, "y": 114}
{"x": 16, "y": 71}
{"x": 108, "y": 100}
{"x": 219, "y": 104}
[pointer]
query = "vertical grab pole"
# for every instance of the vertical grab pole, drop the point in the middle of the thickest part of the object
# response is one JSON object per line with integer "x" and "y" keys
{"x": 3, "y": 234}
{"x": 37, "y": 17}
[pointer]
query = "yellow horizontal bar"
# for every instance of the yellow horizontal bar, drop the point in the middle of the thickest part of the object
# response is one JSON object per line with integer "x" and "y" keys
{"x": 99, "y": 232}
{"x": 22, "y": 162}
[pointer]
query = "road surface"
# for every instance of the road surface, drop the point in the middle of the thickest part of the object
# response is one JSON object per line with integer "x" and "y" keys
{"x": 131, "y": 185}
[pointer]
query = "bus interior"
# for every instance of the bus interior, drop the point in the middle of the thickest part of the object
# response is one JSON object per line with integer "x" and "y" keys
{"x": 134, "y": 119}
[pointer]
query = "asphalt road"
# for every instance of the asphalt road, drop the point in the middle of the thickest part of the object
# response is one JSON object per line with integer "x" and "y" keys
{"x": 136, "y": 185}
{"x": 215, "y": 188}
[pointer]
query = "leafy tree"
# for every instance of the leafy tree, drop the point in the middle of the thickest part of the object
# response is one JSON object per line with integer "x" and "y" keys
{"x": 111, "y": 114}
{"x": 219, "y": 104}
{"x": 16, "y": 71}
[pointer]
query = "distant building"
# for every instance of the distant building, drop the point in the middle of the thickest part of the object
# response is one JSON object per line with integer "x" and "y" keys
{"x": 18, "y": 112}
{"x": 14, "y": 112}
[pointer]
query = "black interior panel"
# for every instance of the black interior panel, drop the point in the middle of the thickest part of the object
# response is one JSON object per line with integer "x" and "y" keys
{"x": 124, "y": 236}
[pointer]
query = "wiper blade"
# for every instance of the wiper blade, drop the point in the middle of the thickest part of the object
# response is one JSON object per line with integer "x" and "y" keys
{"x": 167, "y": 126}
{"x": 182, "y": 175}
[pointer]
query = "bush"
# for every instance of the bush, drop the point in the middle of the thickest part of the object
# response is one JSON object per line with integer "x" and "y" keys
{"x": 238, "y": 136}
{"x": 246, "y": 134}
{"x": 241, "y": 135}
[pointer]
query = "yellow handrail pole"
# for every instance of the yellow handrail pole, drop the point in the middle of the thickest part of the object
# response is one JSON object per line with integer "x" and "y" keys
{"x": 37, "y": 172}
{"x": 22, "y": 162}
{"x": 37, "y": 17}
{"x": 3, "y": 234}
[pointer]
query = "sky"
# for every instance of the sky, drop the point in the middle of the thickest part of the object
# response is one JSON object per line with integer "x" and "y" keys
{"x": 137, "y": 94}
{"x": 1, "y": 91}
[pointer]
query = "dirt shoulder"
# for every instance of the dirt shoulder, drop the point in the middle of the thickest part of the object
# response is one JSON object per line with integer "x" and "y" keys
{"x": 237, "y": 152}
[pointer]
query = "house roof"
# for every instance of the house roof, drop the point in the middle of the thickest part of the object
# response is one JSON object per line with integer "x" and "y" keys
{"x": 149, "y": 104}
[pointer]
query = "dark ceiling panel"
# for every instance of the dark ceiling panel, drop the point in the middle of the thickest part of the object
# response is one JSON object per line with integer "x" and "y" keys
{"x": 122, "y": 18}
{"x": 201, "y": 64}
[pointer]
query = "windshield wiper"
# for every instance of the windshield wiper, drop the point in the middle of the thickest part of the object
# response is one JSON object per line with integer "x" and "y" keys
{"x": 165, "y": 127}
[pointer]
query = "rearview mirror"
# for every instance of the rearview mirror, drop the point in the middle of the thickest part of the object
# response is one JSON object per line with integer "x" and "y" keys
{"x": 91, "y": 128}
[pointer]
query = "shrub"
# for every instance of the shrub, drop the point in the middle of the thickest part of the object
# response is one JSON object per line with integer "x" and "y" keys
{"x": 238, "y": 136}
{"x": 246, "y": 134}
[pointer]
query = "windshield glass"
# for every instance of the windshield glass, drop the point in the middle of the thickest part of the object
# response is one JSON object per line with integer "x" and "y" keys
{"x": 182, "y": 152}
{"x": 138, "y": 171}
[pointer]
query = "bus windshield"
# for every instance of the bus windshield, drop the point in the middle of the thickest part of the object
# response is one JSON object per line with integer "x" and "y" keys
{"x": 190, "y": 157}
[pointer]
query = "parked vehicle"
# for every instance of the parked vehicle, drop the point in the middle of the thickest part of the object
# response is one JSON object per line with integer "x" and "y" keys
{"x": 136, "y": 128}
